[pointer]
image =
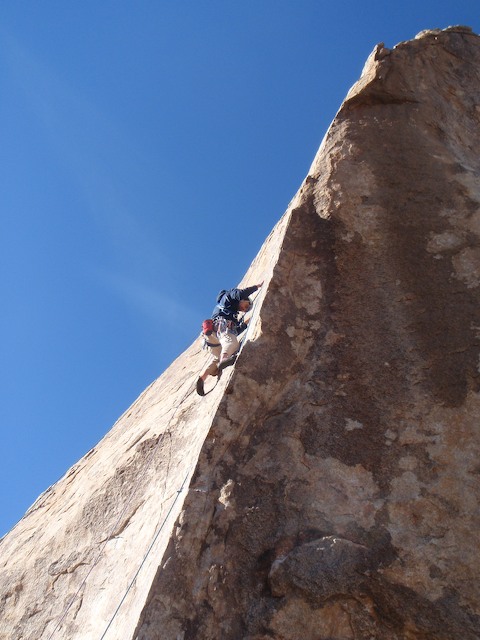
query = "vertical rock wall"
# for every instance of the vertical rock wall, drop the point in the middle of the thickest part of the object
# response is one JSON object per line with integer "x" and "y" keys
{"x": 336, "y": 495}
{"x": 327, "y": 488}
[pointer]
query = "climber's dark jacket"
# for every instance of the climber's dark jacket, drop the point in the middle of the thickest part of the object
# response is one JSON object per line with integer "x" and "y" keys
{"x": 227, "y": 306}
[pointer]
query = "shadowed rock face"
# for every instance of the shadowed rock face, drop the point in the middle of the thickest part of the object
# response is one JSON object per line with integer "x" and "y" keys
{"x": 327, "y": 488}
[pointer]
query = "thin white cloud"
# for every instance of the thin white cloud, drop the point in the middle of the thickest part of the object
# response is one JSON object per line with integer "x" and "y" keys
{"x": 157, "y": 307}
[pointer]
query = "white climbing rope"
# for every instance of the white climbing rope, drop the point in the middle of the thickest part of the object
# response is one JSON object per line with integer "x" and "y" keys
{"x": 152, "y": 544}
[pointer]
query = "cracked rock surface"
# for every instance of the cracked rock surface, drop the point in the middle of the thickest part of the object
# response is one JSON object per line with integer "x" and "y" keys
{"x": 328, "y": 487}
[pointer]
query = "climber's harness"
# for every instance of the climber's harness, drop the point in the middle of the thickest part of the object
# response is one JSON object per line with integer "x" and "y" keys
{"x": 222, "y": 325}
{"x": 217, "y": 326}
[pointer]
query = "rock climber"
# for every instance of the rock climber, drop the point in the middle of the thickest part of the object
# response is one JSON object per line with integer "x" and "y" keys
{"x": 222, "y": 342}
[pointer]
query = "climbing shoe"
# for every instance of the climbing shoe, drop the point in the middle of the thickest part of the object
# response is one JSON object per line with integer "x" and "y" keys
{"x": 200, "y": 389}
{"x": 227, "y": 362}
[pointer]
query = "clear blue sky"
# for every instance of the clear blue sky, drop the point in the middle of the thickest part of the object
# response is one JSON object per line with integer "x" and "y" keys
{"x": 147, "y": 150}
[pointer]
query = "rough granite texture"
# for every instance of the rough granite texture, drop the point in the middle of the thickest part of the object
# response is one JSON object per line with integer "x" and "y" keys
{"x": 328, "y": 487}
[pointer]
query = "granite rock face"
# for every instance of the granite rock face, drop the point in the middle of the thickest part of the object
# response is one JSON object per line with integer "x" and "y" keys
{"x": 328, "y": 487}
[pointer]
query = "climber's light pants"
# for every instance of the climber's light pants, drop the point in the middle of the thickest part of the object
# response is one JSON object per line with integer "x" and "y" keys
{"x": 226, "y": 344}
